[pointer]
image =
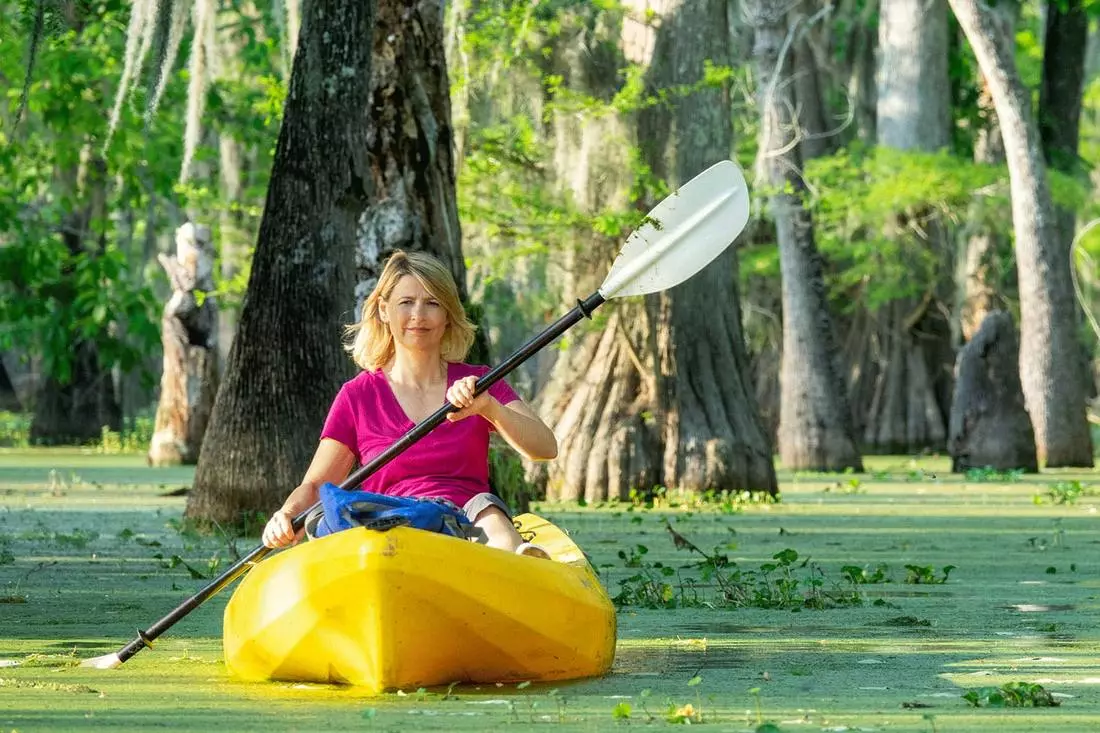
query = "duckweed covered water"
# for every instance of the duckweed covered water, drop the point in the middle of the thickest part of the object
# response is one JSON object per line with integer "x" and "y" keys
{"x": 90, "y": 550}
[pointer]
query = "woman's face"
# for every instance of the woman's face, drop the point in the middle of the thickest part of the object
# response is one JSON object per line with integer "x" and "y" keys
{"x": 415, "y": 317}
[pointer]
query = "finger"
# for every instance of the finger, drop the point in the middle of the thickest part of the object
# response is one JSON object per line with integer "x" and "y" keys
{"x": 458, "y": 415}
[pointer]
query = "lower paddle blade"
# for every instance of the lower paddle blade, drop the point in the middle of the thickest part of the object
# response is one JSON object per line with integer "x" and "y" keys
{"x": 107, "y": 661}
{"x": 682, "y": 234}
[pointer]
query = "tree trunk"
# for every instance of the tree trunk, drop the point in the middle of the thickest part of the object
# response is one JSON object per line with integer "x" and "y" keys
{"x": 1050, "y": 364}
{"x": 9, "y": 400}
{"x": 913, "y": 87}
{"x": 599, "y": 389}
{"x": 411, "y": 139}
{"x": 1063, "y": 84}
{"x": 859, "y": 59}
{"x": 233, "y": 236}
{"x": 288, "y": 362}
{"x": 711, "y": 434}
{"x": 189, "y": 381}
{"x": 906, "y": 410}
{"x": 1060, "y": 98}
{"x": 815, "y": 426}
{"x": 647, "y": 398}
{"x": 914, "y": 114}
{"x": 980, "y": 285}
{"x": 816, "y": 134}
{"x": 76, "y": 410}
{"x": 990, "y": 427}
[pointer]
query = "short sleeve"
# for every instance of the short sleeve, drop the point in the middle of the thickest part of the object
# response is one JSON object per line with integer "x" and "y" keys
{"x": 501, "y": 390}
{"x": 340, "y": 423}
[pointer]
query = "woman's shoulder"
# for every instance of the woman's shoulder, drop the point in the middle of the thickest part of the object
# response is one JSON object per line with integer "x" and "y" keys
{"x": 461, "y": 369}
{"x": 362, "y": 383}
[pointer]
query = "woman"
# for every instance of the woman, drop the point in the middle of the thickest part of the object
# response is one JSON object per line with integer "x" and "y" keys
{"x": 410, "y": 343}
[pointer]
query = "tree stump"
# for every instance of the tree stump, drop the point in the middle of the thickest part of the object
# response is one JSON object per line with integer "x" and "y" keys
{"x": 189, "y": 335}
{"x": 990, "y": 426}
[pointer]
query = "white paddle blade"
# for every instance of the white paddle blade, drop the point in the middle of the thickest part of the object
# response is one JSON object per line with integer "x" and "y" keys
{"x": 107, "y": 661}
{"x": 682, "y": 234}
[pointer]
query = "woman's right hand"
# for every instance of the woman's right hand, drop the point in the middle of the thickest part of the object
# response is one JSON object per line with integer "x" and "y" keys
{"x": 279, "y": 531}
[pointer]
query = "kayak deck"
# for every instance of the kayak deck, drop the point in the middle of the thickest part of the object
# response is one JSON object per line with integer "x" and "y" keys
{"x": 406, "y": 608}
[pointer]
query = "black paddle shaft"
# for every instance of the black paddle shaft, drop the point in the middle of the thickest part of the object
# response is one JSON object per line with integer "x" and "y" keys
{"x": 583, "y": 309}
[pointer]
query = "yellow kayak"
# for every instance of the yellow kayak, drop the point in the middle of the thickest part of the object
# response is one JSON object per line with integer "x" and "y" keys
{"x": 405, "y": 608}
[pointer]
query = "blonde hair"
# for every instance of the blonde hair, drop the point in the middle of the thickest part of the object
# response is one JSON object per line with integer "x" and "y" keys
{"x": 372, "y": 346}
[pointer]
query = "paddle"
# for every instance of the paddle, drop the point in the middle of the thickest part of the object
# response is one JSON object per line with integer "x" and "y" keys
{"x": 677, "y": 239}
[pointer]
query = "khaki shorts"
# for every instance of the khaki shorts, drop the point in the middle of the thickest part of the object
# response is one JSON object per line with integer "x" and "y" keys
{"x": 481, "y": 502}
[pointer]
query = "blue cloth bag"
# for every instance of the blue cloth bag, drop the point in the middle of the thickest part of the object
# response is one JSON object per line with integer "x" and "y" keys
{"x": 342, "y": 510}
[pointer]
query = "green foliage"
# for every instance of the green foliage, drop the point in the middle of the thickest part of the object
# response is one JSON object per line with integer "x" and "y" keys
{"x": 724, "y": 501}
{"x": 65, "y": 278}
{"x": 508, "y": 479}
{"x": 52, "y": 298}
{"x": 787, "y": 582}
{"x": 988, "y": 474}
{"x": 135, "y": 437}
{"x": 872, "y": 206}
{"x": 1065, "y": 493}
{"x": 70, "y": 271}
{"x": 863, "y": 576}
{"x": 1011, "y": 695}
{"x": 926, "y": 574}
{"x": 15, "y": 430}
{"x": 715, "y": 580}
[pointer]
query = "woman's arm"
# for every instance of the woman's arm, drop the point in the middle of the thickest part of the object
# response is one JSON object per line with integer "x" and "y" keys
{"x": 516, "y": 422}
{"x": 331, "y": 464}
{"x": 523, "y": 429}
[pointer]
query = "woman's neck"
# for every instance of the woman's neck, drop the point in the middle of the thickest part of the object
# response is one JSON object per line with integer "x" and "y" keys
{"x": 417, "y": 370}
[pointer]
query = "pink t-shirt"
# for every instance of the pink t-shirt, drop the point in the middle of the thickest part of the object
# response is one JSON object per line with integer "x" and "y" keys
{"x": 452, "y": 461}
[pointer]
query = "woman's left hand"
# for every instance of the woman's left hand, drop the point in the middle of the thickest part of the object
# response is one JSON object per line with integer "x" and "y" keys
{"x": 461, "y": 395}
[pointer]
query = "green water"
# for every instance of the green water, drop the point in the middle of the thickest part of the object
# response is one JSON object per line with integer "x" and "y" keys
{"x": 80, "y": 536}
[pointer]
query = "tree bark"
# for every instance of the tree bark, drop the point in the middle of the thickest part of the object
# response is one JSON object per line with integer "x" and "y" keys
{"x": 1060, "y": 98}
{"x": 862, "y": 43}
{"x": 981, "y": 289}
{"x": 815, "y": 425}
{"x": 600, "y": 388}
{"x": 1050, "y": 364}
{"x": 9, "y": 399}
{"x": 233, "y": 237}
{"x": 990, "y": 427}
{"x": 913, "y": 88}
{"x": 815, "y": 137}
{"x": 1063, "y": 84}
{"x": 646, "y": 399}
{"x": 288, "y": 362}
{"x": 189, "y": 380}
{"x": 712, "y": 433}
{"x": 411, "y": 149}
{"x": 915, "y": 369}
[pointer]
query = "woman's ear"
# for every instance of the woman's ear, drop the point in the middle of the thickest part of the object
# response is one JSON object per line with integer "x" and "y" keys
{"x": 382, "y": 312}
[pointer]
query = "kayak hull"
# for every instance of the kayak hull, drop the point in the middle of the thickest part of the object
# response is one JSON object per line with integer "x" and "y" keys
{"x": 406, "y": 608}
